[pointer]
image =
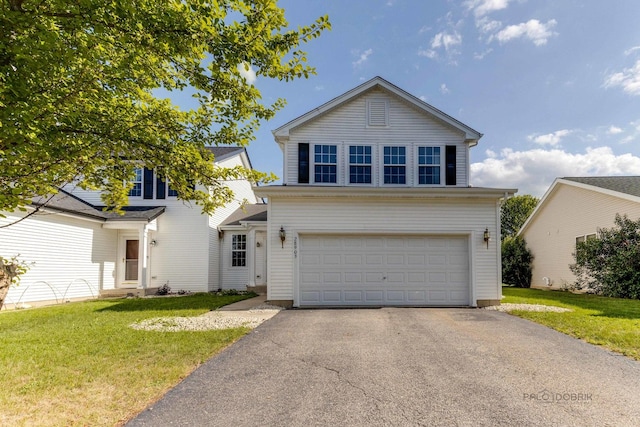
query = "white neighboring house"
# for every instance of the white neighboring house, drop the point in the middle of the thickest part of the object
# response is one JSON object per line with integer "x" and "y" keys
{"x": 572, "y": 210}
{"x": 376, "y": 208}
{"x": 77, "y": 251}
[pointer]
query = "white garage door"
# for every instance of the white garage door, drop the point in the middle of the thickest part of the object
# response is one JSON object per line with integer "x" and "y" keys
{"x": 384, "y": 270}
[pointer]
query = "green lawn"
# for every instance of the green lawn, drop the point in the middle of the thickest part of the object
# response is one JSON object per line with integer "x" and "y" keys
{"x": 81, "y": 363}
{"x": 613, "y": 323}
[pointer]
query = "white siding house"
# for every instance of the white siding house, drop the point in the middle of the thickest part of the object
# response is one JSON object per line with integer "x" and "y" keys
{"x": 78, "y": 251}
{"x": 376, "y": 209}
{"x": 571, "y": 210}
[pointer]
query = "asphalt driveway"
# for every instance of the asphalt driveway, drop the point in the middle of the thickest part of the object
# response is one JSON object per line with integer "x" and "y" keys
{"x": 404, "y": 366}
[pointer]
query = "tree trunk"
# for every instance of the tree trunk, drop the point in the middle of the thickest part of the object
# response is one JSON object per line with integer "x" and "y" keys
{"x": 7, "y": 273}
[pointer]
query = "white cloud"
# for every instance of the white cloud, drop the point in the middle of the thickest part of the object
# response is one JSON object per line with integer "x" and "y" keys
{"x": 533, "y": 171}
{"x": 247, "y": 72}
{"x": 550, "y": 138}
{"x": 614, "y": 130}
{"x": 534, "y": 30}
{"x": 444, "y": 89}
{"x": 631, "y": 50}
{"x": 319, "y": 87}
{"x": 628, "y": 79}
{"x": 446, "y": 40}
{"x": 483, "y": 7}
{"x": 486, "y": 25}
{"x": 429, "y": 53}
{"x": 481, "y": 55}
{"x": 364, "y": 56}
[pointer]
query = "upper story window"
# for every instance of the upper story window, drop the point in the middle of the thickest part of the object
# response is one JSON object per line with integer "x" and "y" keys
{"x": 429, "y": 165}
{"x": 395, "y": 160}
{"x": 239, "y": 250}
{"x": 360, "y": 164}
{"x": 326, "y": 163}
{"x": 136, "y": 190}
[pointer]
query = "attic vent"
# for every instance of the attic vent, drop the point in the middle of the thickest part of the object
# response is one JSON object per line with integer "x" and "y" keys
{"x": 377, "y": 112}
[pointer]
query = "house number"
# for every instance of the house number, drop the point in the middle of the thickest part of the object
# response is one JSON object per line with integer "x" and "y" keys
{"x": 295, "y": 247}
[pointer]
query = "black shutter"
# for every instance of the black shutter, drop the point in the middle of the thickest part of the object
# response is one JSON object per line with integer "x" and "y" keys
{"x": 160, "y": 188}
{"x": 303, "y": 163}
{"x": 450, "y": 158}
{"x": 147, "y": 184}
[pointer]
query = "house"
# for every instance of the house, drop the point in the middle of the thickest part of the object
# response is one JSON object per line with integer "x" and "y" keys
{"x": 376, "y": 208}
{"x": 572, "y": 210}
{"x": 78, "y": 251}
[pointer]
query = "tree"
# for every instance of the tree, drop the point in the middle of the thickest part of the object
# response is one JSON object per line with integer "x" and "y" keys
{"x": 82, "y": 86}
{"x": 610, "y": 264}
{"x": 10, "y": 271}
{"x": 516, "y": 262}
{"x": 514, "y": 212}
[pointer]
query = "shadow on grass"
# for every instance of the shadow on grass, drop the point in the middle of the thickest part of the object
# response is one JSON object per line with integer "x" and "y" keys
{"x": 199, "y": 301}
{"x": 604, "y": 306}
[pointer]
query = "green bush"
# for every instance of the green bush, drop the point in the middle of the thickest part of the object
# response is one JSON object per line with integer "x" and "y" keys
{"x": 516, "y": 262}
{"x": 610, "y": 264}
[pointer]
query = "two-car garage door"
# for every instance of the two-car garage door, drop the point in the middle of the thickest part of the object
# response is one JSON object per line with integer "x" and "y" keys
{"x": 383, "y": 270}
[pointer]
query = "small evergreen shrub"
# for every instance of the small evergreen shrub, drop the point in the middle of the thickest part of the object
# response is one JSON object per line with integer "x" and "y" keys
{"x": 516, "y": 262}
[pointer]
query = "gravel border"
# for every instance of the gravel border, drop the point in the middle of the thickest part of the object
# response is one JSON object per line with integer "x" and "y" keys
{"x": 508, "y": 307}
{"x": 210, "y": 321}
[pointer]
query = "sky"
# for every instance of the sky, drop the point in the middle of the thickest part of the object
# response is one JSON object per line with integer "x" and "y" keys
{"x": 553, "y": 85}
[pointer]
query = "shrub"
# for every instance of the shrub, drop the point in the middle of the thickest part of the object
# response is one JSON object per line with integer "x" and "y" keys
{"x": 516, "y": 262}
{"x": 164, "y": 290}
{"x": 610, "y": 264}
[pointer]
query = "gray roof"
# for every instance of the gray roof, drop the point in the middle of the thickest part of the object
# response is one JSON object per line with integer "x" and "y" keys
{"x": 68, "y": 203}
{"x": 622, "y": 184}
{"x": 257, "y": 212}
{"x": 220, "y": 153}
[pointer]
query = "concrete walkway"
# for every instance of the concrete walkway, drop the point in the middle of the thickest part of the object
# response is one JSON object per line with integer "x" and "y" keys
{"x": 246, "y": 304}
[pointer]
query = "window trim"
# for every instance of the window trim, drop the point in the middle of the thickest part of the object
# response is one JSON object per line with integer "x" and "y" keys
{"x": 138, "y": 172}
{"x": 313, "y": 163}
{"x": 441, "y": 165}
{"x": 584, "y": 237}
{"x": 407, "y": 162}
{"x": 371, "y": 164}
{"x": 238, "y": 253}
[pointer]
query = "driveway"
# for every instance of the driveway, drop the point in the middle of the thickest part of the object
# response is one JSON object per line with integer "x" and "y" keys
{"x": 404, "y": 366}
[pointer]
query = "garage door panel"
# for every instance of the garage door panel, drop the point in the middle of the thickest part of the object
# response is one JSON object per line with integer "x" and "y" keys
{"x": 332, "y": 259}
{"x": 416, "y": 259}
{"x": 396, "y": 259}
{"x": 416, "y": 277}
{"x": 374, "y": 259}
{"x": 383, "y": 270}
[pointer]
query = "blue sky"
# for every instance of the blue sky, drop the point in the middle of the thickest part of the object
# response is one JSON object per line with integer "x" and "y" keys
{"x": 553, "y": 85}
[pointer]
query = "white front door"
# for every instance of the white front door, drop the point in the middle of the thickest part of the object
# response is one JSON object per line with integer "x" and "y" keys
{"x": 129, "y": 254}
{"x": 261, "y": 259}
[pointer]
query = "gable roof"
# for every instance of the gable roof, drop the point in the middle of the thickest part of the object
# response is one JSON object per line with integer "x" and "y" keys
{"x": 623, "y": 187}
{"x": 621, "y": 184}
{"x": 221, "y": 153}
{"x": 281, "y": 134}
{"x": 68, "y": 203}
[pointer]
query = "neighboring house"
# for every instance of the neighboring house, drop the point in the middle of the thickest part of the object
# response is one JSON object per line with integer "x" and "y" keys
{"x": 572, "y": 210}
{"x": 77, "y": 251}
{"x": 376, "y": 207}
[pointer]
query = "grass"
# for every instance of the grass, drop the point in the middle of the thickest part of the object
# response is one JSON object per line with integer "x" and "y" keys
{"x": 81, "y": 363}
{"x": 613, "y": 323}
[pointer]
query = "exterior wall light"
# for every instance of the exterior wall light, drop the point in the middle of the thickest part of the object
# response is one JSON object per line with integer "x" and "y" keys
{"x": 283, "y": 235}
{"x": 486, "y": 237}
{"x": 154, "y": 243}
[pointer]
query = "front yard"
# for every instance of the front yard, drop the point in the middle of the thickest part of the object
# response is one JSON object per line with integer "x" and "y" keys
{"x": 81, "y": 363}
{"x": 609, "y": 322}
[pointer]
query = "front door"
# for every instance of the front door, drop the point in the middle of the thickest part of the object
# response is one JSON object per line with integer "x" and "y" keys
{"x": 129, "y": 257}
